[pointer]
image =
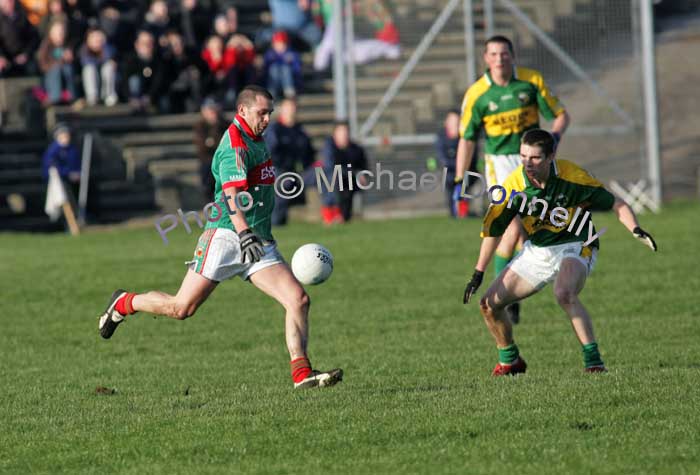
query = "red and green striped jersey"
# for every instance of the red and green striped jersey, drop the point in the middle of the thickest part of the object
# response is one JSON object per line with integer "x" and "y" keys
{"x": 242, "y": 161}
{"x": 569, "y": 187}
{"x": 507, "y": 112}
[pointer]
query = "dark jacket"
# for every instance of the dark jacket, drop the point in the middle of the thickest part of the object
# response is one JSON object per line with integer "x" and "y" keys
{"x": 290, "y": 58}
{"x": 207, "y": 137}
{"x": 151, "y": 74}
{"x": 446, "y": 149}
{"x": 289, "y": 146}
{"x": 17, "y": 35}
{"x": 352, "y": 155}
{"x": 65, "y": 159}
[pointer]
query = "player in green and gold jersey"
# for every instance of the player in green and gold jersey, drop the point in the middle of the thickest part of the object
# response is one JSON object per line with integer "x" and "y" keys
{"x": 554, "y": 199}
{"x": 506, "y": 102}
{"x": 237, "y": 241}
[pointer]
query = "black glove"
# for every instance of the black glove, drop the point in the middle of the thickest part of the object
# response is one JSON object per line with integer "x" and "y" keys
{"x": 473, "y": 285}
{"x": 251, "y": 246}
{"x": 645, "y": 237}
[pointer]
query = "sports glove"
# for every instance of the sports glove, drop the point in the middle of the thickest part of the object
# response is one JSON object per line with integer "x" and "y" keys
{"x": 473, "y": 285}
{"x": 645, "y": 237}
{"x": 251, "y": 246}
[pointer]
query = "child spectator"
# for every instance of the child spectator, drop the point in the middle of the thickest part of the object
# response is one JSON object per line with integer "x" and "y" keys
{"x": 99, "y": 69}
{"x": 63, "y": 155}
{"x": 55, "y": 60}
{"x": 282, "y": 67}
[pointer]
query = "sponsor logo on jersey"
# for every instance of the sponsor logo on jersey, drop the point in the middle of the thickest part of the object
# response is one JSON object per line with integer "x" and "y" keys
{"x": 506, "y": 97}
{"x": 263, "y": 174}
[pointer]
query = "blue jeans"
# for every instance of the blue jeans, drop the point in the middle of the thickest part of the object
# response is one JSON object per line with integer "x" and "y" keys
{"x": 53, "y": 79}
{"x": 280, "y": 78}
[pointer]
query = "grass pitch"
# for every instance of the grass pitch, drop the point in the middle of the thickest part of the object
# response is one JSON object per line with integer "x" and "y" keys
{"x": 213, "y": 394}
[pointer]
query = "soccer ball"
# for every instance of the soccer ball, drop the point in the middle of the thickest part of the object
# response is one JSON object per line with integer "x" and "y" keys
{"x": 312, "y": 264}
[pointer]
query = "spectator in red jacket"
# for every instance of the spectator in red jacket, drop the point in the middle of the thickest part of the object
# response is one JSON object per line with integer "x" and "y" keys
{"x": 230, "y": 66}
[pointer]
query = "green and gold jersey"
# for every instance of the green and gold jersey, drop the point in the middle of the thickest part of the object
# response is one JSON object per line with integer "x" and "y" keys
{"x": 569, "y": 188}
{"x": 242, "y": 161}
{"x": 507, "y": 112}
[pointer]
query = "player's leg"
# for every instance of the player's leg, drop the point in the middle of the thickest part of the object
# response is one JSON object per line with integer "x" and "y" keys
{"x": 503, "y": 256}
{"x": 498, "y": 168}
{"x": 567, "y": 287}
{"x": 278, "y": 282}
{"x": 194, "y": 290}
{"x": 509, "y": 287}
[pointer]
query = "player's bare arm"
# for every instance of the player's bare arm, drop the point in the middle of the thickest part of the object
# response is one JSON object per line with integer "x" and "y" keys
{"x": 488, "y": 247}
{"x": 560, "y": 124}
{"x": 465, "y": 154}
{"x": 629, "y": 220}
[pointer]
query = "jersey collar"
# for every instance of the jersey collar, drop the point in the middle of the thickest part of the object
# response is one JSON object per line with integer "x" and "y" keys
{"x": 489, "y": 81}
{"x": 243, "y": 125}
{"x": 553, "y": 172}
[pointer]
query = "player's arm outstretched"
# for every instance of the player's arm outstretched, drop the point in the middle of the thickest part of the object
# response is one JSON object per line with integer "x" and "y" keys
{"x": 629, "y": 220}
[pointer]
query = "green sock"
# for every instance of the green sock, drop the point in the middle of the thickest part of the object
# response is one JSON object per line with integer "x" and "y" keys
{"x": 591, "y": 355}
{"x": 508, "y": 354}
{"x": 500, "y": 263}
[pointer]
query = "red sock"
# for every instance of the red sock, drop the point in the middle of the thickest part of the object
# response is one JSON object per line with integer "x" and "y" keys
{"x": 124, "y": 305}
{"x": 326, "y": 214}
{"x": 301, "y": 368}
{"x": 462, "y": 209}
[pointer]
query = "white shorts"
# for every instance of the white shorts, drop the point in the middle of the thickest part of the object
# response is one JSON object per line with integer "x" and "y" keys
{"x": 218, "y": 256}
{"x": 498, "y": 167}
{"x": 540, "y": 265}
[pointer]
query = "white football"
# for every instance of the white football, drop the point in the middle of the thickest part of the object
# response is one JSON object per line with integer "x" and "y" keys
{"x": 312, "y": 264}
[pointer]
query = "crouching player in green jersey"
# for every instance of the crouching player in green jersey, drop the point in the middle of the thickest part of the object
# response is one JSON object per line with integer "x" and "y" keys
{"x": 236, "y": 243}
{"x": 554, "y": 199}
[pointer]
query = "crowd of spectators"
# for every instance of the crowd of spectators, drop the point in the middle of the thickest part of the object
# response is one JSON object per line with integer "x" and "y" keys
{"x": 169, "y": 55}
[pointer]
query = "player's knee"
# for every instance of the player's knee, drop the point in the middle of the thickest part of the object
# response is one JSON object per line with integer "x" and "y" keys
{"x": 486, "y": 307}
{"x": 301, "y": 300}
{"x": 565, "y": 296}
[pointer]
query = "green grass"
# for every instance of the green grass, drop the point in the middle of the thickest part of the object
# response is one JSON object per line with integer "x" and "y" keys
{"x": 213, "y": 394}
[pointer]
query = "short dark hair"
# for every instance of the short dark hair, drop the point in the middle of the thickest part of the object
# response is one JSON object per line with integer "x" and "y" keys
{"x": 250, "y": 93}
{"x": 500, "y": 39}
{"x": 539, "y": 138}
{"x": 341, "y": 123}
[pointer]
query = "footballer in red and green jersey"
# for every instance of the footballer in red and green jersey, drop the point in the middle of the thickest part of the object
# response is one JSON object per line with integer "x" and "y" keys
{"x": 507, "y": 112}
{"x": 242, "y": 161}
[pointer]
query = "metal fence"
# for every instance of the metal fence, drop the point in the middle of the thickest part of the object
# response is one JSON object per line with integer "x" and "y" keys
{"x": 596, "y": 55}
